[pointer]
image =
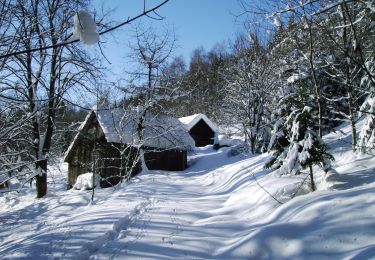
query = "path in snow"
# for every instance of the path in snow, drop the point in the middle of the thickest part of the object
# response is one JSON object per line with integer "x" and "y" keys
{"x": 156, "y": 214}
{"x": 181, "y": 222}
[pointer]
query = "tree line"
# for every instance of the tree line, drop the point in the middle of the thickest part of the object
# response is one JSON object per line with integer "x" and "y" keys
{"x": 288, "y": 84}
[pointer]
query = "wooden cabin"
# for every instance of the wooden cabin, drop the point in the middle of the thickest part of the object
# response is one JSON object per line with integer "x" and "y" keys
{"x": 107, "y": 143}
{"x": 200, "y": 128}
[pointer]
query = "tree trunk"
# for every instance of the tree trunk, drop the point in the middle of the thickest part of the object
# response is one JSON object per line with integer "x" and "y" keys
{"x": 312, "y": 182}
{"x": 253, "y": 144}
{"x": 93, "y": 186}
{"x": 348, "y": 81}
{"x": 143, "y": 160}
{"x": 140, "y": 129}
{"x": 316, "y": 84}
{"x": 94, "y": 165}
{"x": 352, "y": 122}
{"x": 41, "y": 179}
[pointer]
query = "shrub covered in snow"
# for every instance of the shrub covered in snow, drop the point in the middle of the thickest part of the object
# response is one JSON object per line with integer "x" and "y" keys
{"x": 226, "y": 141}
{"x": 236, "y": 145}
{"x": 242, "y": 147}
{"x": 85, "y": 181}
{"x": 278, "y": 145}
{"x": 306, "y": 148}
{"x": 367, "y": 136}
{"x": 302, "y": 147}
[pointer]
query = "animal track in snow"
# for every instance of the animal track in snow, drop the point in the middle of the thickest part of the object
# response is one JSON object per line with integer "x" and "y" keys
{"x": 118, "y": 230}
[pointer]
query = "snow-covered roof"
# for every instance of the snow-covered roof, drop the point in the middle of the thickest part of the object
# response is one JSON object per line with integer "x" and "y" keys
{"x": 190, "y": 121}
{"x": 120, "y": 126}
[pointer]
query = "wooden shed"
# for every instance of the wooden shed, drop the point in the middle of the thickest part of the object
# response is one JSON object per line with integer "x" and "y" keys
{"x": 107, "y": 143}
{"x": 200, "y": 128}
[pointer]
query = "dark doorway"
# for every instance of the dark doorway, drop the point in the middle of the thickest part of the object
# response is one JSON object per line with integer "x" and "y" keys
{"x": 202, "y": 134}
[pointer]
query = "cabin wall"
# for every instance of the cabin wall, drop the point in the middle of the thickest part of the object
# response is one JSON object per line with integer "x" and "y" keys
{"x": 92, "y": 153}
{"x": 202, "y": 134}
{"x": 113, "y": 168}
{"x": 115, "y": 162}
{"x": 106, "y": 160}
{"x": 168, "y": 160}
{"x": 80, "y": 162}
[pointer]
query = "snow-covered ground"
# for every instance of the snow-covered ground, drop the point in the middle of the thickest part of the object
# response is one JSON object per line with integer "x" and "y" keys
{"x": 219, "y": 208}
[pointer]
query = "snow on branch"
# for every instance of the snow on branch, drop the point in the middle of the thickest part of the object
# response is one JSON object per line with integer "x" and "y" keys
{"x": 85, "y": 28}
{"x": 74, "y": 40}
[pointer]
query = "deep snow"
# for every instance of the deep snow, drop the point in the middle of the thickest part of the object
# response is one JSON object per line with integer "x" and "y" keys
{"x": 218, "y": 208}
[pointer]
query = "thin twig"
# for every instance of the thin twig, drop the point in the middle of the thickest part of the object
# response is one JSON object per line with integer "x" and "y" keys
{"x": 273, "y": 197}
{"x": 300, "y": 186}
{"x": 101, "y": 51}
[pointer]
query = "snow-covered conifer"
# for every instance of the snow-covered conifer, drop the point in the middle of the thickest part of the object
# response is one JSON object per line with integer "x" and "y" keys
{"x": 367, "y": 135}
{"x": 306, "y": 148}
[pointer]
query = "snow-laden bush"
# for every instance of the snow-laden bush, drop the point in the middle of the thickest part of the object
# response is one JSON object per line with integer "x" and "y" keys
{"x": 296, "y": 146}
{"x": 242, "y": 147}
{"x": 237, "y": 146}
{"x": 226, "y": 141}
{"x": 85, "y": 181}
{"x": 306, "y": 147}
{"x": 367, "y": 136}
{"x": 366, "y": 142}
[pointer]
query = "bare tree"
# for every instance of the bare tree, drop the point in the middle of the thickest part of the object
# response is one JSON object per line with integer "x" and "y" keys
{"x": 39, "y": 81}
{"x": 149, "y": 52}
{"x": 40, "y": 70}
{"x": 249, "y": 90}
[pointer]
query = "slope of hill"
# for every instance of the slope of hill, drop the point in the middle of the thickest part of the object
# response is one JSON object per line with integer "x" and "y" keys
{"x": 221, "y": 207}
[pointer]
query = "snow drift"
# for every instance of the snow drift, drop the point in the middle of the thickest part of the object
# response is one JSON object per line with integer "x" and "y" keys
{"x": 219, "y": 208}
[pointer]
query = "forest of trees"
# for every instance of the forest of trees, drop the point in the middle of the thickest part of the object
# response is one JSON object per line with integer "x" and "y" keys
{"x": 286, "y": 86}
{"x": 283, "y": 85}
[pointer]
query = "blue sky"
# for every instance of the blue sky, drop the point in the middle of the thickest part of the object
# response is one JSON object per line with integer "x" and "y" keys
{"x": 196, "y": 23}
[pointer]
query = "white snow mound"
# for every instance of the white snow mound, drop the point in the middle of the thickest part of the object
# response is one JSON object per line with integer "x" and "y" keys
{"x": 220, "y": 207}
{"x": 85, "y": 181}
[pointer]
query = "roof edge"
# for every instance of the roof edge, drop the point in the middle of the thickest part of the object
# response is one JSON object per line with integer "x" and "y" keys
{"x": 195, "y": 119}
{"x": 68, "y": 151}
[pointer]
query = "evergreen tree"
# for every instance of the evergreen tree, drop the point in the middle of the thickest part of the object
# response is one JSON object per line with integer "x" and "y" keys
{"x": 367, "y": 135}
{"x": 295, "y": 143}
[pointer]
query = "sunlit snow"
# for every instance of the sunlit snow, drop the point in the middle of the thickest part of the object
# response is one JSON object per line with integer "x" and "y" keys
{"x": 218, "y": 208}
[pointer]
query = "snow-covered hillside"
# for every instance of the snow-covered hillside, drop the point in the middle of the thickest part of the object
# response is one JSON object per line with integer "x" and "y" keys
{"x": 221, "y": 207}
